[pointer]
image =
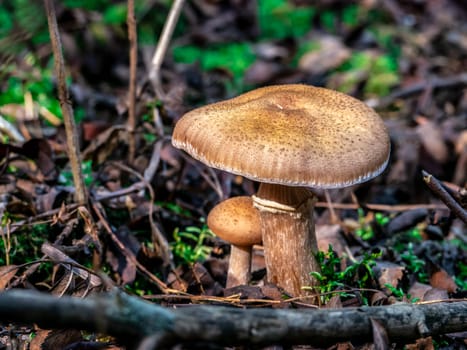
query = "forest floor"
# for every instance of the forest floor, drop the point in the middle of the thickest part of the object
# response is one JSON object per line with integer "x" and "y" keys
{"x": 393, "y": 238}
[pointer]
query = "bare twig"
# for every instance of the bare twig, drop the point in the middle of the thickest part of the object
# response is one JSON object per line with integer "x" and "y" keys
{"x": 162, "y": 45}
{"x": 379, "y": 207}
{"x": 132, "y": 37}
{"x": 435, "y": 186}
{"x": 150, "y": 171}
{"x": 418, "y": 88}
{"x": 65, "y": 104}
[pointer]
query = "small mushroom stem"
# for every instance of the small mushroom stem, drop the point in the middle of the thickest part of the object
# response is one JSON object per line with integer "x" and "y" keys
{"x": 239, "y": 266}
{"x": 289, "y": 237}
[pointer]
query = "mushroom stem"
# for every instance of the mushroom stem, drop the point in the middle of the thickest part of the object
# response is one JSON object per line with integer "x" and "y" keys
{"x": 288, "y": 233}
{"x": 239, "y": 266}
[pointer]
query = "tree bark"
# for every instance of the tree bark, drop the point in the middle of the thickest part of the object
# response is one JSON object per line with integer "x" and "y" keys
{"x": 127, "y": 317}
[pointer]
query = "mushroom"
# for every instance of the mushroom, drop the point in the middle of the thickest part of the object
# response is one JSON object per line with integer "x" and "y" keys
{"x": 289, "y": 138}
{"x": 237, "y": 221}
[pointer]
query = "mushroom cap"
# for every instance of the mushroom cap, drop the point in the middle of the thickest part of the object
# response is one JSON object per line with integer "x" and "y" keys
{"x": 235, "y": 220}
{"x": 295, "y": 135}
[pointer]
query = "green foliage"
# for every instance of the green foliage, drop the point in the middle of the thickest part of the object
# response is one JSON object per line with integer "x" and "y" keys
{"x": 38, "y": 81}
{"x": 86, "y": 4}
{"x": 414, "y": 264}
{"x": 402, "y": 239}
{"x": 381, "y": 72}
{"x": 66, "y": 177}
{"x": 461, "y": 275}
{"x": 351, "y": 15}
{"x": 115, "y": 14}
{"x": 280, "y": 19}
{"x": 139, "y": 287}
{"x": 21, "y": 247}
{"x": 365, "y": 231}
{"x": 400, "y": 294}
{"x": 331, "y": 278}
{"x": 175, "y": 208}
{"x": 235, "y": 57}
{"x": 189, "y": 244}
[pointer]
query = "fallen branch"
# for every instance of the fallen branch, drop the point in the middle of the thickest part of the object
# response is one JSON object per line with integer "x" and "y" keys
{"x": 131, "y": 318}
{"x": 437, "y": 188}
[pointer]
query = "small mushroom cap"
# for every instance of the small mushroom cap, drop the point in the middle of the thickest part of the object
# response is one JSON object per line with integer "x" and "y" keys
{"x": 294, "y": 135}
{"x": 235, "y": 220}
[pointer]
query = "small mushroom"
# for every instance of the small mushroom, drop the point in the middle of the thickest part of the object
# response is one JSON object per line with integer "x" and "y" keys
{"x": 237, "y": 221}
{"x": 289, "y": 138}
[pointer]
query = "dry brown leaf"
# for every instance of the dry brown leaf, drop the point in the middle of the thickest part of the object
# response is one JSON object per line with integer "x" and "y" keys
{"x": 432, "y": 140}
{"x": 421, "y": 344}
{"x": 261, "y": 72}
{"x": 418, "y": 290}
{"x": 6, "y": 274}
{"x": 389, "y": 273}
{"x": 435, "y": 294}
{"x": 330, "y": 235}
{"x": 331, "y": 54}
{"x": 441, "y": 279}
{"x": 54, "y": 340}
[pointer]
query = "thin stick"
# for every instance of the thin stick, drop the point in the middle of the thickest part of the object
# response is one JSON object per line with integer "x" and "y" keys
{"x": 457, "y": 81}
{"x": 133, "y": 39}
{"x": 379, "y": 207}
{"x": 435, "y": 186}
{"x": 65, "y": 104}
{"x": 162, "y": 45}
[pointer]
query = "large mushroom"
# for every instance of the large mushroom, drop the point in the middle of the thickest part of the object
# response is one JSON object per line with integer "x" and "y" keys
{"x": 237, "y": 221}
{"x": 289, "y": 138}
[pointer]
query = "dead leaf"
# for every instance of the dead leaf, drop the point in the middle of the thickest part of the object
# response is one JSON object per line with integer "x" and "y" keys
{"x": 104, "y": 145}
{"x": 379, "y": 298}
{"x": 330, "y": 235}
{"x": 261, "y": 72}
{"x": 54, "y": 340}
{"x": 6, "y": 274}
{"x": 40, "y": 151}
{"x": 418, "y": 290}
{"x": 432, "y": 140}
{"x": 119, "y": 262}
{"x": 421, "y": 344}
{"x": 345, "y": 346}
{"x": 92, "y": 129}
{"x": 388, "y": 273}
{"x": 435, "y": 294}
{"x": 334, "y": 303}
{"x": 330, "y": 54}
{"x": 441, "y": 279}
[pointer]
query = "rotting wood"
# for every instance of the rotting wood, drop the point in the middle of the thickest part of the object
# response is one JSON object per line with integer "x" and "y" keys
{"x": 126, "y": 317}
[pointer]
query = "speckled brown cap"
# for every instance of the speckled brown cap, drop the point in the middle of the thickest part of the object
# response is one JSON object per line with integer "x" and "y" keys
{"x": 294, "y": 135}
{"x": 235, "y": 220}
